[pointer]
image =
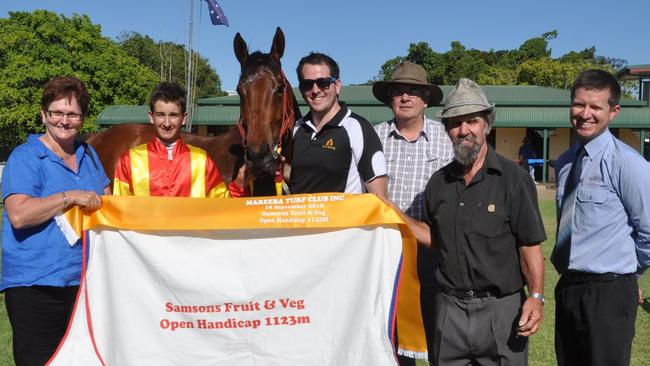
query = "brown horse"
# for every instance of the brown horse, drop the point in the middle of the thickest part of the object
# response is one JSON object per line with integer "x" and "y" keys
{"x": 268, "y": 109}
{"x": 266, "y": 129}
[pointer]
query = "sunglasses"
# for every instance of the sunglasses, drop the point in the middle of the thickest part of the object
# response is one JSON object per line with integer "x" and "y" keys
{"x": 322, "y": 83}
{"x": 411, "y": 91}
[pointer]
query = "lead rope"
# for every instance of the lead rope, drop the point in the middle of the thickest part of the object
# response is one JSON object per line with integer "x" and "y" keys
{"x": 242, "y": 133}
{"x": 288, "y": 117}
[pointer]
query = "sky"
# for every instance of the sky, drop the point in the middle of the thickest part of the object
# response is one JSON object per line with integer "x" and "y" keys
{"x": 362, "y": 34}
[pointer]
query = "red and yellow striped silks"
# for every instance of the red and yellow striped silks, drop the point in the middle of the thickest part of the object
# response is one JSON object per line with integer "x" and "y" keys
{"x": 145, "y": 170}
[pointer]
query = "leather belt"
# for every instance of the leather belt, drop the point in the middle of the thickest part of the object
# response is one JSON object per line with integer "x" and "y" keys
{"x": 467, "y": 294}
{"x": 584, "y": 277}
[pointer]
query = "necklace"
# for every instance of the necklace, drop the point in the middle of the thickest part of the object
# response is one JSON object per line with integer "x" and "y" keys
{"x": 56, "y": 148}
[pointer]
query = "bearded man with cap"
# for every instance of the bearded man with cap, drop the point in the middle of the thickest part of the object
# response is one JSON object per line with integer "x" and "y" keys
{"x": 481, "y": 212}
{"x": 415, "y": 147}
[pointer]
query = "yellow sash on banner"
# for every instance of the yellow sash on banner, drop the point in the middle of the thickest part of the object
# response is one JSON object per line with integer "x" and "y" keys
{"x": 324, "y": 211}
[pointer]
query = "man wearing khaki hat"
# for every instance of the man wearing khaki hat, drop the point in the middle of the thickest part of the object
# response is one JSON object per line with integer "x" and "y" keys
{"x": 415, "y": 147}
{"x": 481, "y": 212}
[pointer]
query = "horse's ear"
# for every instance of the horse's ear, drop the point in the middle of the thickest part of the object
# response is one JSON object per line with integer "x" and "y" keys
{"x": 241, "y": 49}
{"x": 277, "y": 49}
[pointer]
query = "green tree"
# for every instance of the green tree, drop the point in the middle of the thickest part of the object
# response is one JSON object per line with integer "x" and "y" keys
{"x": 35, "y": 47}
{"x": 544, "y": 71}
{"x": 553, "y": 73}
{"x": 529, "y": 64}
{"x": 588, "y": 54}
{"x": 169, "y": 61}
{"x": 387, "y": 68}
{"x": 432, "y": 62}
{"x": 421, "y": 54}
{"x": 462, "y": 64}
{"x": 497, "y": 75}
{"x": 535, "y": 48}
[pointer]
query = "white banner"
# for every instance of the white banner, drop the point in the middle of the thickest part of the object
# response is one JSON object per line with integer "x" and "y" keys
{"x": 236, "y": 297}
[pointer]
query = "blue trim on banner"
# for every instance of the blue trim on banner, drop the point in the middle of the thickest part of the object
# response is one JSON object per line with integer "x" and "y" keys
{"x": 391, "y": 314}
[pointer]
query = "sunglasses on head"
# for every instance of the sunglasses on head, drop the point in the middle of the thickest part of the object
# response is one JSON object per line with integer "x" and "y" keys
{"x": 408, "y": 90}
{"x": 321, "y": 83}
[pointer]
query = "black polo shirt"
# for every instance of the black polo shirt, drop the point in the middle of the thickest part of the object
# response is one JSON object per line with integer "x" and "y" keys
{"x": 480, "y": 227}
{"x": 341, "y": 157}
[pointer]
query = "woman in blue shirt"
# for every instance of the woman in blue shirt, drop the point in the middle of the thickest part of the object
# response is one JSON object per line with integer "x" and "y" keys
{"x": 42, "y": 178}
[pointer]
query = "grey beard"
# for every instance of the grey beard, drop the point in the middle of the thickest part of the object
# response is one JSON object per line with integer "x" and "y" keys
{"x": 466, "y": 156}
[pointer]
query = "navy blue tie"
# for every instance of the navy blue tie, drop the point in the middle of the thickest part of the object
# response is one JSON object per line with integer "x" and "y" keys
{"x": 562, "y": 251}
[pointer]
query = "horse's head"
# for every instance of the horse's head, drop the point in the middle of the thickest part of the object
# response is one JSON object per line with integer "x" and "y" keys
{"x": 267, "y": 105}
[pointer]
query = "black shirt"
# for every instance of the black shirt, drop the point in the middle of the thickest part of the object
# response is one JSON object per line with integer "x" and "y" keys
{"x": 341, "y": 157}
{"x": 480, "y": 227}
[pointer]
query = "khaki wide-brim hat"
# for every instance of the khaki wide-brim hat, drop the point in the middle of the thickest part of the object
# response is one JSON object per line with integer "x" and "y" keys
{"x": 407, "y": 73}
{"x": 465, "y": 98}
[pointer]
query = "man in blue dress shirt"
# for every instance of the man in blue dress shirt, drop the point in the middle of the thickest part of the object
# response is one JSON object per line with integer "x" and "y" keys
{"x": 603, "y": 238}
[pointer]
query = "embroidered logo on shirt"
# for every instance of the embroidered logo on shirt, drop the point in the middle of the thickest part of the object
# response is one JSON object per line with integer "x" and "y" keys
{"x": 330, "y": 144}
{"x": 595, "y": 180}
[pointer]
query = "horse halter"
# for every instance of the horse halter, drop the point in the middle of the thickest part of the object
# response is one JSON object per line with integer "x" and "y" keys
{"x": 288, "y": 117}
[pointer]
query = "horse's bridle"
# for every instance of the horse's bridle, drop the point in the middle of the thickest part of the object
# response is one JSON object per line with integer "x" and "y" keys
{"x": 288, "y": 117}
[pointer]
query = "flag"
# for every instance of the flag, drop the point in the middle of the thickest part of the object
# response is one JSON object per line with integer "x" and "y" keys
{"x": 216, "y": 14}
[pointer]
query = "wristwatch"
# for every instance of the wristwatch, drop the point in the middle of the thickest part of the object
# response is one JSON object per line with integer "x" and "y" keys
{"x": 538, "y": 296}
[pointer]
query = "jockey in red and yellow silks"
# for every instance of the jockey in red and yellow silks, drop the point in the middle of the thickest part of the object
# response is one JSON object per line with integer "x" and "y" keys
{"x": 150, "y": 170}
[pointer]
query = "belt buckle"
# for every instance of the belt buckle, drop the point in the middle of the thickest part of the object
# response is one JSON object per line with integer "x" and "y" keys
{"x": 469, "y": 294}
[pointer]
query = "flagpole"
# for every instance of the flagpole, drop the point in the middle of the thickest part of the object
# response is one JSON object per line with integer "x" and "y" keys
{"x": 217, "y": 17}
{"x": 188, "y": 82}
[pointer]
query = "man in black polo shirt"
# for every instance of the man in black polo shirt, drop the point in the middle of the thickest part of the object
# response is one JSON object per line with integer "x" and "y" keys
{"x": 481, "y": 212}
{"x": 334, "y": 150}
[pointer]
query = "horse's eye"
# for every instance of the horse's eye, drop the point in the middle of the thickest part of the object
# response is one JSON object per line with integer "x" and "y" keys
{"x": 280, "y": 89}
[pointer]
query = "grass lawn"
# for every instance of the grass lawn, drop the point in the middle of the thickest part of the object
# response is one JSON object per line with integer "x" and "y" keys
{"x": 541, "y": 345}
{"x": 541, "y": 349}
{"x": 6, "y": 354}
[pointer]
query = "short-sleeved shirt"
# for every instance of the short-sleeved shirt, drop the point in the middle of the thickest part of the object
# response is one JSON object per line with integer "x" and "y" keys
{"x": 40, "y": 255}
{"x": 341, "y": 157}
{"x": 411, "y": 163}
{"x": 480, "y": 227}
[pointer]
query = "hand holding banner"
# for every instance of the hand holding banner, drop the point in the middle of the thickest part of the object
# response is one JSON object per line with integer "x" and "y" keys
{"x": 307, "y": 279}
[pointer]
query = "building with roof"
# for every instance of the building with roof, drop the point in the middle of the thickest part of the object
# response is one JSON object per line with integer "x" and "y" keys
{"x": 541, "y": 113}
